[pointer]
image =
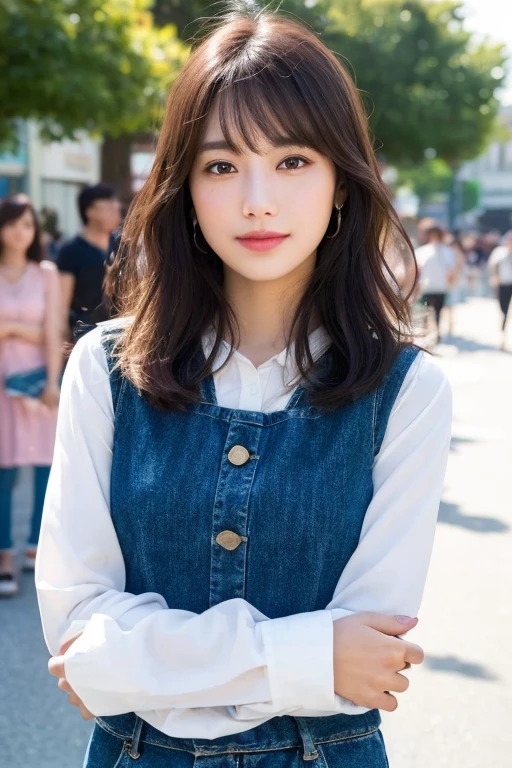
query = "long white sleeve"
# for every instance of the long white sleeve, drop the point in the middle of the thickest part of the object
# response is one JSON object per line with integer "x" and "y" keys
{"x": 230, "y": 668}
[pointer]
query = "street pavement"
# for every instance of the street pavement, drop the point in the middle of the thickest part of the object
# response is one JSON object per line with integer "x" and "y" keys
{"x": 458, "y": 710}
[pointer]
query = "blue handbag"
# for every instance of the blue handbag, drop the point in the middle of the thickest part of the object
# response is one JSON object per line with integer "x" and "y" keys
{"x": 27, "y": 384}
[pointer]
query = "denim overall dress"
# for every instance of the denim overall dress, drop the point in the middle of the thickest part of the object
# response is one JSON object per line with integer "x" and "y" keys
{"x": 274, "y": 524}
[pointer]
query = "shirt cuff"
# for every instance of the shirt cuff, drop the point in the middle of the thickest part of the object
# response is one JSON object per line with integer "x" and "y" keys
{"x": 98, "y": 699}
{"x": 300, "y": 662}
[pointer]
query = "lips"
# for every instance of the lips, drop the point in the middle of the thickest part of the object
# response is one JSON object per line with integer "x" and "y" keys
{"x": 261, "y": 240}
{"x": 261, "y": 234}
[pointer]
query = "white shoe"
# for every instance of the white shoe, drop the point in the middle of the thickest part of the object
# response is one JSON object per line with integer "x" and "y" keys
{"x": 8, "y": 585}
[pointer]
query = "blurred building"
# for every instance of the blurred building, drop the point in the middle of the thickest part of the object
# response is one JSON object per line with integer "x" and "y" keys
{"x": 57, "y": 172}
{"x": 14, "y": 164}
{"x": 493, "y": 173}
{"x": 52, "y": 174}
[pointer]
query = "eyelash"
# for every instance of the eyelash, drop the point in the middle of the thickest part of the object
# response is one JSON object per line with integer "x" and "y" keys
{"x": 209, "y": 167}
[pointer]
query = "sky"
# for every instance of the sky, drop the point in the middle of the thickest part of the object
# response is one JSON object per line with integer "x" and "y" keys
{"x": 494, "y": 19}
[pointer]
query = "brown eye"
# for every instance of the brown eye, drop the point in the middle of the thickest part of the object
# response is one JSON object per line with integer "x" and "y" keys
{"x": 293, "y": 163}
{"x": 223, "y": 167}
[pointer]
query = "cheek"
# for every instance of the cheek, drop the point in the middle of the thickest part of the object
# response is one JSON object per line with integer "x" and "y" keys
{"x": 14, "y": 236}
{"x": 312, "y": 206}
{"x": 214, "y": 205}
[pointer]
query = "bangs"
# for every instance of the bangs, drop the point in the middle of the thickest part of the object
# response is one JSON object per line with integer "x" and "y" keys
{"x": 267, "y": 108}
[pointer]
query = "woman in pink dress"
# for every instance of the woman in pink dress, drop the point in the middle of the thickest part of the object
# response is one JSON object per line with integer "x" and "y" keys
{"x": 30, "y": 338}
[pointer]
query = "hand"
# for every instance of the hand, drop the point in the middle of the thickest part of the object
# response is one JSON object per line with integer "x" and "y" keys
{"x": 56, "y": 668}
{"x": 6, "y": 330}
{"x": 368, "y": 656}
{"x": 50, "y": 396}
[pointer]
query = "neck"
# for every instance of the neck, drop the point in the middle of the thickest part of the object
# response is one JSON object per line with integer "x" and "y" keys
{"x": 96, "y": 236}
{"x": 265, "y": 310}
{"x": 13, "y": 260}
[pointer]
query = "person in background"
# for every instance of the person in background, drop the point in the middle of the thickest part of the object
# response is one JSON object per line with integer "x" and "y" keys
{"x": 500, "y": 265}
{"x": 30, "y": 339}
{"x": 437, "y": 264}
{"x": 456, "y": 293}
{"x": 81, "y": 261}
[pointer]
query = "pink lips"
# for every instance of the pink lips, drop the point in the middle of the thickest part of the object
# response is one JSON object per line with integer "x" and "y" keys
{"x": 261, "y": 240}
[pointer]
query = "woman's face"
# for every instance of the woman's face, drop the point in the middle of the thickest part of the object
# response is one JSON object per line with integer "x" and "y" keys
{"x": 18, "y": 235}
{"x": 287, "y": 190}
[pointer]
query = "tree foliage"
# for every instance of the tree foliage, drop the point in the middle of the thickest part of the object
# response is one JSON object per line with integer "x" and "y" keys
{"x": 430, "y": 90}
{"x": 94, "y": 65}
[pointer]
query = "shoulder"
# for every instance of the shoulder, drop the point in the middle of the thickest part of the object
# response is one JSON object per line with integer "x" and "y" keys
{"x": 87, "y": 365}
{"x": 425, "y": 385}
{"x": 68, "y": 252}
{"x": 47, "y": 272}
{"x": 423, "y": 252}
{"x": 497, "y": 254}
{"x": 70, "y": 245}
{"x": 48, "y": 266}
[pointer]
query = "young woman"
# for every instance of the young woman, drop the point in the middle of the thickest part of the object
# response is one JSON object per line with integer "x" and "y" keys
{"x": 29, "y": 341}
{"x": 250, "y": 459}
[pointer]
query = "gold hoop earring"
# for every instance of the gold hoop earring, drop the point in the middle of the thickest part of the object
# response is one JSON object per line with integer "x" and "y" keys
{"x": 194, "y": 225}
{"x": 338, "y": 222}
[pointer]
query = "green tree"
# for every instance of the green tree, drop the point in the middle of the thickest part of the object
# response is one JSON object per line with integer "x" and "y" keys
{"x": 429, "y": 89}
{"x": 94, "y": 65}
{"x": 428, "y": 179}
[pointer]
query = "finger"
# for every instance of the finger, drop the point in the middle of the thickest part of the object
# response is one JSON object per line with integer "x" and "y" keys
{"x": 64, "y": 685}
{"x": 56, "y": 666}
{"x": 413, "y": 653}
{"x": 68, "y": 644}
{"x": 384, "y": 701}
{"x": 399, "y": 683}
{"x": 74, "y": 700}
{"x": 86, "y": 715}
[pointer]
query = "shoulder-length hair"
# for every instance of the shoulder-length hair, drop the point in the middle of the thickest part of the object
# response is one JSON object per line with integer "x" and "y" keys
{"x": 271, "y": 78}
{"x": 13, "y": 208}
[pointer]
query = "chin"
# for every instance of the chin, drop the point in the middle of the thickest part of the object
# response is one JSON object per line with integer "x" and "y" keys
{"x": 265, "y": 274}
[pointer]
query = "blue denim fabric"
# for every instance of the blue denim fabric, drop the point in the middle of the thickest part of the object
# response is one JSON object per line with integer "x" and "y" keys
{"x": 283, "y": 742}
{"x": 298, "y": 503}
{"x": 8, "y": 479}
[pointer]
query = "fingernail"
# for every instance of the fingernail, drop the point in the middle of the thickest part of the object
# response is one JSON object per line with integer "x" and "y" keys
{"x": 404, "y": 619}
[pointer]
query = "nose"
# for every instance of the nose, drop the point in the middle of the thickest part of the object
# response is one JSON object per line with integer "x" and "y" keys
{"x": 260, "y": 196}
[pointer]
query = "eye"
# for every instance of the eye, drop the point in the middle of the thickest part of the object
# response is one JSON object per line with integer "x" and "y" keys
{"x": 223, "y": 168}
{"x": 292, "y": 163}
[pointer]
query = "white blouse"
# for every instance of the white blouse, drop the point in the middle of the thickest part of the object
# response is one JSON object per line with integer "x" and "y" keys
{"x": 230, "y": 668}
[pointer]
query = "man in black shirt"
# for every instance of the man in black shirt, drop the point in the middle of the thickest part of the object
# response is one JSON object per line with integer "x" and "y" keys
{"x": 81, "y": 261}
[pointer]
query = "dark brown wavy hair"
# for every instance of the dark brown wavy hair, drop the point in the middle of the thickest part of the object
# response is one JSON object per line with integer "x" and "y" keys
{"x": 13, "y": 208}
{"x": 271, "y": 78}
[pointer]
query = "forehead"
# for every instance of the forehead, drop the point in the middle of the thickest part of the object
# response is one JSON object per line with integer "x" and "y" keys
{"x": 249, "y": 117}
{"x": 222, "y": 132}
{"x": 26, "y": 217}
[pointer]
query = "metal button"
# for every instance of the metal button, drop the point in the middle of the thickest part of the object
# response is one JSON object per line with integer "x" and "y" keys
{"x": 228, "y": 539}
{"x": 238, "y": 455}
